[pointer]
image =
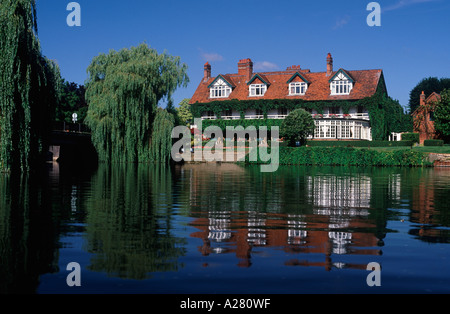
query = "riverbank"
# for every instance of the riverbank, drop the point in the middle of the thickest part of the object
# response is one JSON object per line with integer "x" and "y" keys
{"x": 350, "y": 156}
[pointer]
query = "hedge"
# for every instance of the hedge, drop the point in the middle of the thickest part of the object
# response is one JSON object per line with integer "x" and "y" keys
{"x": 348, "y": 156}
{"x": 433, "y": 143}
{"x": 414, "y": 137}
{"x": 359, "y": 143}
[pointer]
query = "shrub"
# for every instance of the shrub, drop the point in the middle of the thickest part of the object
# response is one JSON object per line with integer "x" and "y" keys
{"x": 414, "y": 137}
{"x": 359, "y": 143}
{"x": 433, "y": 143}
{"x": 348, "y": 156}
{"x": 297, "y": 126}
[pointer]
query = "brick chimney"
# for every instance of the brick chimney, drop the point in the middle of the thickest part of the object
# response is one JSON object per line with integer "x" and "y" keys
{"x": 329, "y": 64}
{"x": 245, "y": 68}
{"x": 422, "y": 99}
{"x": 207, "y": 72}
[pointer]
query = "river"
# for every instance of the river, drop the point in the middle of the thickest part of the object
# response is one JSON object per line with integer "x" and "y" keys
{"x": 225, "y": 228}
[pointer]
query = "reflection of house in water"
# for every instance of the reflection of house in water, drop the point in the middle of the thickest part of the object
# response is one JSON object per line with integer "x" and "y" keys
{"x": 338, "y": 224}
{"x": 430, "y": 206}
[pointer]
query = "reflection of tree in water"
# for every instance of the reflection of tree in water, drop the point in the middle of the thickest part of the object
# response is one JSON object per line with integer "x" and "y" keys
{"x": 129, "y": 221}
{"x": 28, "y": 240}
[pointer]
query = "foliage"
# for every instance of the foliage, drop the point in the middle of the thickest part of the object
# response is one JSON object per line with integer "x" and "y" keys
{"x": 414, "y": 137}
{"x": 184, "y": 114}
{"x": 297, "y": 126}
{"x": 442, "y": 115}
{"x": 428, "y": 86}
{"x": 222, "y": 124}
{"x": 123, "y": 91}
{"x": 433, "y": 143}
{"x": 161, "y": 136}
{"x": 348, "y": 156}
{"x": 360, "y": 143}
{"x": 29, "y": 88}
{"x": 72, "y": 101}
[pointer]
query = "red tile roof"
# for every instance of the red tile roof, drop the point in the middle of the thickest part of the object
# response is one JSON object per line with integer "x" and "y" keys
{"x": 365, "y": 85}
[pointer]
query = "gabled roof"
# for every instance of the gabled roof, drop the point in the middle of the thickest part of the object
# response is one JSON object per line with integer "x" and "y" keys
{"x": 344, "y": 73}
{"x": 365, "y": 84}
{"x": 296, "y": 74}
{"x": 261, "y": 77}
{"x": 225, "y": 78}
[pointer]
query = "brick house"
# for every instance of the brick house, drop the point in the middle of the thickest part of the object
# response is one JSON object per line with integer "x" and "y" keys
{"x": 336, "y": 91}
{"x": 423, "y": 117}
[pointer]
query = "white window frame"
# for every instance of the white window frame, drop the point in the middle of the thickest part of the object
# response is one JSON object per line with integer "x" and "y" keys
{"x": 297, "y": 88}
{"x": 220, "y": 89}
{"x": 257, "y": 90}
{"x": 341, "y": 85}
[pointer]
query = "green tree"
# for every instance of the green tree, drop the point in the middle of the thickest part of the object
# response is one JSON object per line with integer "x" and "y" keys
{"x": 29, "y": 87}
{"x": 72, "y": 100}
{"x": 123, "y": 91}
{"x": 442, "y": 115}
{"x": 297, "y": 126}
{"x": 427, "y": 85}
{"x": 184, "y": 113}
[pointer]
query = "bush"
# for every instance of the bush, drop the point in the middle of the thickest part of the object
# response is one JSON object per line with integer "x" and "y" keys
{"x": 359, "y": 143}
{"x": 297, "y": 126}
{"x": 348, "y": 156}
{"x": 414, "y": 137}
{"x": 433, "y": 143}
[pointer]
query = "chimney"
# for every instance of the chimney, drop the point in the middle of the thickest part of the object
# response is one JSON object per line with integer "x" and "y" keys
{"x": 329, "y": 64}
{"x": 207, "y": 72}
{"x": 245, "y": 68}
{"x": 422, "y": 99}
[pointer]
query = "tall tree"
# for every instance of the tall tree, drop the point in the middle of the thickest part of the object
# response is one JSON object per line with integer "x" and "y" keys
{"x": 29, "y": 87}
{"x": 427, "y": 85}
{"x": 123, "y": 91}
{"x": 184, "y": 112}
{"x": 72, "y": 100}
{"x": 442, "y": 116}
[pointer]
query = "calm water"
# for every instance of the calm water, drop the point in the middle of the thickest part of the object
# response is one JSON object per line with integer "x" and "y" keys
{"x": 226, "y": 229}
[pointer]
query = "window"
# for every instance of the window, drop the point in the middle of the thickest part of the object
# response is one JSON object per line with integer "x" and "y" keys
{"x": 341, "y": 85}
{"x": 220, "y": 90}
{"x": 334, "y": 110}
{"x": 297, "y": 88}
{"x": 257, "y": 89}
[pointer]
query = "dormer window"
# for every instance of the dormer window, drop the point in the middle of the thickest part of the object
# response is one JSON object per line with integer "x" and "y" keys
{"x": 220, "y": 89}
{"x": 257, "y": 89}
{"x": 297, "y": 88}
{"x": 341, "y": 84}
{"x": 298, "y": 84}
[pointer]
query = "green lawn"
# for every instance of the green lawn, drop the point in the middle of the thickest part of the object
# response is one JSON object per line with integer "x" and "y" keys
{"x": 423, "y": 149}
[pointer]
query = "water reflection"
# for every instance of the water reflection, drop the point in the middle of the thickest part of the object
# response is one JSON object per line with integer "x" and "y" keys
{"x": 430, "y": 210}
{"x": 307, "y": 211}
{"x": 129, "y": 228}
{"x": 136, "y": 221}
{"x": 28, "y": 233}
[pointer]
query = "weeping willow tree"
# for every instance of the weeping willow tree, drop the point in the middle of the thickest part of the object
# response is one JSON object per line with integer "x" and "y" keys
{"x": 123, "y": 91}
{"x": 29, "y": 87}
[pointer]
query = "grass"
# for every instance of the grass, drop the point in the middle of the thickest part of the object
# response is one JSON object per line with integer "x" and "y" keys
{"x": 423, "y": 149}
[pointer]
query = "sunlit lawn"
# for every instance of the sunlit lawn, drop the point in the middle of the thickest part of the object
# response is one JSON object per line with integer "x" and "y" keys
{"x": 423, "y": 149}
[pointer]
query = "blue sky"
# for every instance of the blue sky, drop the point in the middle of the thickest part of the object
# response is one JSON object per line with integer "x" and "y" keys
{"x": 411, "y": 43}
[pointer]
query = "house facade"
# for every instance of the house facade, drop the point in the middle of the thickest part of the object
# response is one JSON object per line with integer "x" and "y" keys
{"x": 423, "y": 117}
{"x": 334, "y": 98}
